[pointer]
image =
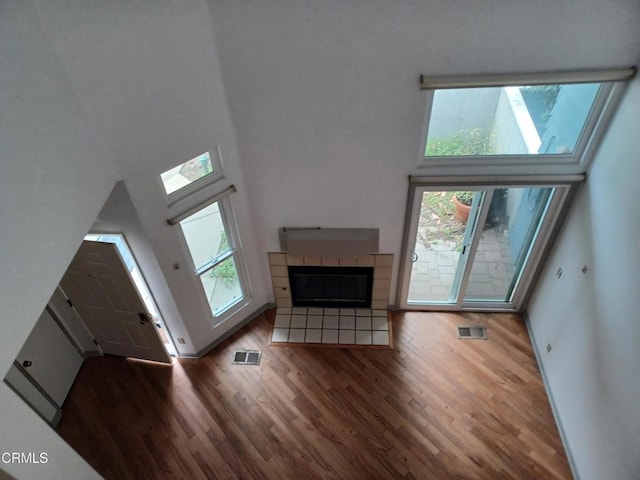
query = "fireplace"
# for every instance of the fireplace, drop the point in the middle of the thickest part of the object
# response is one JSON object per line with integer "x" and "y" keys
{"x": 320, "y": 286}
{"x": 381, "y": 263}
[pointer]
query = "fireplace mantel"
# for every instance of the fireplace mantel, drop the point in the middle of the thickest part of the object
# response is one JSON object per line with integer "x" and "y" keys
{"x": 329, "y": 242}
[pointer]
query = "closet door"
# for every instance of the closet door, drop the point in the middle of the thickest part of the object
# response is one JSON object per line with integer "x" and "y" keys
{"x": 50, "y": 359}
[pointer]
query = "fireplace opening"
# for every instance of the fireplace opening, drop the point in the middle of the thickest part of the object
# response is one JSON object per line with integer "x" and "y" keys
{"x": 348, "y": 287}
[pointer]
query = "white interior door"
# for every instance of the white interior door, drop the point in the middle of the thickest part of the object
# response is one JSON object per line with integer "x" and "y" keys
{"x": 102, "y": 291}
{"x": 50, "y": 358}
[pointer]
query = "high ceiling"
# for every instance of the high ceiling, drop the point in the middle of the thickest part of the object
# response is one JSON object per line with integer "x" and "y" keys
{"x": 333, "y": 85}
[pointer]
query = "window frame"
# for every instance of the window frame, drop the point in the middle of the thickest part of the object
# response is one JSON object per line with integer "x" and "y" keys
{"x": 215, "y": 157}
{"x": 220, "y": 314}
{"x": 578, "y": 161}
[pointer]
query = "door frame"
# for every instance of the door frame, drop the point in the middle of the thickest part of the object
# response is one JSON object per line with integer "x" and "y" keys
{"x": 171, "y": 347}
{"x": 566, "y": 188}
{"x": 101, "y": 287}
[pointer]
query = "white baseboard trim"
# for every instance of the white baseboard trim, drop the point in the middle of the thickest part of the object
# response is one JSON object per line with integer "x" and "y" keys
{"x": 218, "y": 341}
{"x": 554, "y": 407}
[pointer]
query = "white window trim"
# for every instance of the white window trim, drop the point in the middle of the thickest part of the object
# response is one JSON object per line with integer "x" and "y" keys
{"x": 235, "y": 251}
{"x": 231, "y": 229}
{"x": 535, "y": 78}
{"x": 196, "y": 208}
{"x": 215, "y": 156}
{"x": 578, "y": 161}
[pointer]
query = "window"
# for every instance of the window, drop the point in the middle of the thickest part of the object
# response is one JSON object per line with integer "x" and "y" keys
{"x": 515, "y": 120}
{"x": 518, "y": 121}
{"x": 210, "y": 237}
{"x": 192, "y": 175}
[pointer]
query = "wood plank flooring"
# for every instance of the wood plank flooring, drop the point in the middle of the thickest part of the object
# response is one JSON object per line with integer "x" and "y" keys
{"x": 435, "y": 407}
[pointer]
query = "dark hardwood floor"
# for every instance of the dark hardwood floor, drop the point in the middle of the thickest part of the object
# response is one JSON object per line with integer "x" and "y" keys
{"x": 434, "y": 407}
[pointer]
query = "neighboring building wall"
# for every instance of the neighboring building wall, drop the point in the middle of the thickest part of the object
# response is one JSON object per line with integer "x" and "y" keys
{"x": 567, "y": 118}
{"x": 513, "y": 130}
{"x": 591, "y": 319}
{"x": 463, "y": 110}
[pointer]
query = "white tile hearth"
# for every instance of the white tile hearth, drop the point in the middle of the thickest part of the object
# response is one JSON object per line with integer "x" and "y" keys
{"x": 314, "y": 335}
{"x": 347, "y": 322}
{"x": 329, "y": 336}
{"x": 331, "y": 326}
{"x": 314, "y": 321}
{"x": 298, "y": 321}
{"x": 296, "y": 335}
{"x": 280, "y": 335}
{"x": 331, "y": 322}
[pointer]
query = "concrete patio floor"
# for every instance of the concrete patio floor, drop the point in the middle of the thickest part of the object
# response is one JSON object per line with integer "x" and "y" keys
{"x": 433, "y": 274}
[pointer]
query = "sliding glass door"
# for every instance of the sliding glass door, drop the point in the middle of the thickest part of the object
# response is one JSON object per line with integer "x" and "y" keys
{"x": 475, "y": 255}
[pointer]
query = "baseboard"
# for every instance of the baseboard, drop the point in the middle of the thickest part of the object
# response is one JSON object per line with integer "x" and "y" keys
{"x": 90, "y": 353}
{"x": 554, "y": 407}
{"x": 255, "y": 314}
{"x": 56, "y": 419}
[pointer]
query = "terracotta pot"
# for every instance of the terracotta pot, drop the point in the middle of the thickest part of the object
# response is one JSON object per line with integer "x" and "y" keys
{"x": 462, "y": 210}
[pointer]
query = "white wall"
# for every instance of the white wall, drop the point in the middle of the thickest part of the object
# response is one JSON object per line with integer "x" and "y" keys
{"x": 118, "y": 215}
{"x": 591, "y": 320}
{"x": 325, "y": 99}
{"x": 325, "y": 107}
{"x": 55, "y": 174}
{"x": 149, "y": 74}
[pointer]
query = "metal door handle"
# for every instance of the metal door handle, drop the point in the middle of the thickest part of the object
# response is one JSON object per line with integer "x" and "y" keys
{"x": 414, "y": 257}
{"x": 144, "y": 318}
{"x": 27, "y": 363}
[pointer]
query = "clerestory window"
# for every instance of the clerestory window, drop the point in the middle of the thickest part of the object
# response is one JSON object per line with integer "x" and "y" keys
{"x": 532, "y": 119}
{"x": 191, "y": 175}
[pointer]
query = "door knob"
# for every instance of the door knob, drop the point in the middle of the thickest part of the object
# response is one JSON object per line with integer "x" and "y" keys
{"x": 27, "y": 363}
{"x": 144, "y": 318}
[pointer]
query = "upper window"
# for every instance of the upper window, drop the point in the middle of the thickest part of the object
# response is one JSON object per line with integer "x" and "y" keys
{"x": 513, "y": 120}
{"x": 545, "y": 122}
{"x": 191, "y": 175}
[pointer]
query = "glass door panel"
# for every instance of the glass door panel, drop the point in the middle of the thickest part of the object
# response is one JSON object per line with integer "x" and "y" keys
{"x": 509, "y": 231}
{"x": 443, "y": 236}
{"x": 486, "y": 260}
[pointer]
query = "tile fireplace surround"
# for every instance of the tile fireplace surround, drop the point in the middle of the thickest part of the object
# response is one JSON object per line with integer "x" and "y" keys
{"x": 381, "y": 263}
{"x": 376, "y": 332}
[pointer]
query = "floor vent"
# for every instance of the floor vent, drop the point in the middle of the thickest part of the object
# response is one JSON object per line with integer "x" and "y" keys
{"x": 247, "y": 357}
{"x": 475, "y": 332}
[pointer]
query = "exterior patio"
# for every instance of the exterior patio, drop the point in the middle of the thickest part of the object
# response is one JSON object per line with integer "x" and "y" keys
{"x": 433, "y": 273}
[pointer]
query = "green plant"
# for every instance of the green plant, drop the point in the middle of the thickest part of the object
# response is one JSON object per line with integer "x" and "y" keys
{"x": 438, "y": 224}
{"x": 465, "y": 142}
{"x": 465, "y": 198}
{"x": 225, "y": 271}
{"x": 546, "y": 93}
